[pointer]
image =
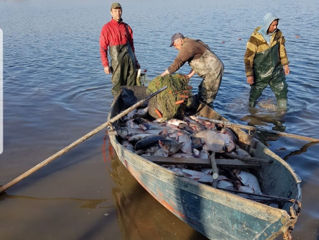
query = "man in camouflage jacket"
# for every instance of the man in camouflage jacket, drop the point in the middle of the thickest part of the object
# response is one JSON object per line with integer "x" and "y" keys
{"x": 266, "y": 62}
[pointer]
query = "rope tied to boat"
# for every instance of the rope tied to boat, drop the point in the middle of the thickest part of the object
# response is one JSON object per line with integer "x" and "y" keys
{"x": 294, "y": 211}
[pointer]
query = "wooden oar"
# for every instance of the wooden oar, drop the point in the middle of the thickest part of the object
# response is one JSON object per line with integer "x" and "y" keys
{"x": 77, "y": 142}
{"x": 252, "y": 128}
{"x": 215, "y": 173}
{"x": 214, "y": 166}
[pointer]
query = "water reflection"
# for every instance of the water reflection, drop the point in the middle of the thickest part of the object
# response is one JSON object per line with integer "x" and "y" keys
{"x": 276, "y": 120}
{"x": 303, "y": 149}
{"x": 140, "y": 216}
{"x": 266, "y": 112}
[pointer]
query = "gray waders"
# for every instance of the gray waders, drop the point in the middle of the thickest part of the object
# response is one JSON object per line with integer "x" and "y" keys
{"x": 124, "y": 69}
{"x": 268, "y": 70}
{"x": 211, "y": 69}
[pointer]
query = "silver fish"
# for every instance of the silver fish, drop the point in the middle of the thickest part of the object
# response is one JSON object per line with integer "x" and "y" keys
{"x": 225, "y": 183}
{"x": 148, "y": 142}
{"x": 231, "y": 133}
{"x": 241, "y": 152}
{"x": 175, "y": 122}
{"x": 182, "y": 155}
{"x": 249, "y": 182}
{"x": 229, "y": 143}
{"x": 204, "y": 154}
{"x": 140, "y": 136}
{"x": 195, "y": 125}
{"x": 160, "y": 153}
{"x": 196, "y": 142}
{"x": 186, "y": 142}
{"x": 142, "y": 112}
{"x": 214, "y": 141}
{"x": 170, "y": 146}
{"x": 152, "y": 149}
{"x": 198, "y": 176}
{"x": 130, "y": 115}
{"x": 128, "y": 145}
{"x": 131, "y": 124}
{"x": 204, "y": 122}
{"x": 125, "y": 132}
{"x": 196, "y": 152}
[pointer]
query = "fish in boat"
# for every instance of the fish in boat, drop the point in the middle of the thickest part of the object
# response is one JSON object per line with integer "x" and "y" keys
{"x": 170, "y": 146}
{"x": 215, "y": 141}
{"x": 218, "y": 212}
{"x": 148, "y": 141}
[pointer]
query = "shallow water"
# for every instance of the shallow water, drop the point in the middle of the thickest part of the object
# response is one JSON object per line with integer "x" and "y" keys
{"x": 55, "y": 91}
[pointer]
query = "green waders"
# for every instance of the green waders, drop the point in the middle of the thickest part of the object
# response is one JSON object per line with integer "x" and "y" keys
{"x": 211, "y": 69}
{"x": 268, "y": 70}
{"x": 124, "y": 69}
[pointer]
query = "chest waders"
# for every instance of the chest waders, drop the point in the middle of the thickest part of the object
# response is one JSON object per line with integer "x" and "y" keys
{"x": 269, "y": 71}
{"x": 124, "y": 69}
{"x": 211, "y": 69}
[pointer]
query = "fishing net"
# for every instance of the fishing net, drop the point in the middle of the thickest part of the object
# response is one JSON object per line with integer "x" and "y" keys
{"x": 171, "y": 102}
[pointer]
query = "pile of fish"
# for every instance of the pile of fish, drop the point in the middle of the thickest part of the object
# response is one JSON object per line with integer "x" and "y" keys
{"x": 191, "y": 137}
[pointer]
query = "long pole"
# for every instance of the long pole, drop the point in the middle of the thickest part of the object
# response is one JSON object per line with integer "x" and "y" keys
{"x": 252, "y": 128}
{"x": 76, "y": 143}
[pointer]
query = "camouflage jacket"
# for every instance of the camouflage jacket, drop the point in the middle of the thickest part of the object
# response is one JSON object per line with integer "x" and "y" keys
{"x": 257, "y": 44}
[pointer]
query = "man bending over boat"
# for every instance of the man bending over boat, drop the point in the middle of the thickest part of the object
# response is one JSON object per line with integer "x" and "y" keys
{"x": 202, "y": 61}
{"x": 266, "y": 62}
{"x": 118, "y": 37}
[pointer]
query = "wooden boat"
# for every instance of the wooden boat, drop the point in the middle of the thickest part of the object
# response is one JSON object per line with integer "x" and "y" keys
{"x": 216, "y": 213}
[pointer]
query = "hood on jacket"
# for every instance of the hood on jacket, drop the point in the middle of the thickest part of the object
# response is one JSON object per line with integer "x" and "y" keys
{"x": 268, "y": 19}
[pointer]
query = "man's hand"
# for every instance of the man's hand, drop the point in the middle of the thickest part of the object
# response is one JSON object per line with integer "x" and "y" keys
{"x": 250, "y": 80}
{"x": 166, "y": 72}
{"x": 286, "y": 69}
{"x": 190, "y": 74}
{"x": 107, "y": 70}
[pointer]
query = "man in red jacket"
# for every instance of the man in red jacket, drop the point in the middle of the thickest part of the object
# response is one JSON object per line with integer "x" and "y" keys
{"x": 117, "y": 36}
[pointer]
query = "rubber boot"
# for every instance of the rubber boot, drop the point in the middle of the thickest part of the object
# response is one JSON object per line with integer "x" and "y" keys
{"x": 282, "y": 106}
{"x": 252, "y": 104}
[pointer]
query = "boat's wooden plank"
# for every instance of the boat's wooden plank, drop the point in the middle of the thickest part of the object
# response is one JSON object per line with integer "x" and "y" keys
{"x": 249, "y": 159}
{"x": 174, "y": 160}
{"x": 234, "y": 163}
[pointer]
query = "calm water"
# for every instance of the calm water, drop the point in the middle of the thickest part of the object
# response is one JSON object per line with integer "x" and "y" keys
{"x": 55, "y": 91}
